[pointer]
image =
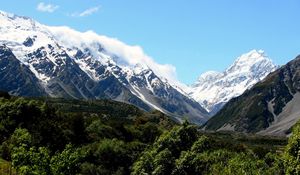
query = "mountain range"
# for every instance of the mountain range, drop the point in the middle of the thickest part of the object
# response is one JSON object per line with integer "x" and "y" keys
{"x": 38, "y": 60}
{"x": 251, "y": 95}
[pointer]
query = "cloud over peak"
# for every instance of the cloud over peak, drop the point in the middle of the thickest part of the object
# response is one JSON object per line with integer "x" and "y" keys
{"x": 43, "y": 7}
{"x": 129, "y": 55}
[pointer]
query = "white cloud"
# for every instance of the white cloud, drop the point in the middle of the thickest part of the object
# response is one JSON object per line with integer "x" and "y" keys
{"x": 43, "y": 7}
{"x": 129, "y": 55}
{"x": 87, "y": 12}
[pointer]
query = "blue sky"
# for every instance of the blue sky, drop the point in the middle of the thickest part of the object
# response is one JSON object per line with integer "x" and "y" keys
{"x": 195, "y": 36}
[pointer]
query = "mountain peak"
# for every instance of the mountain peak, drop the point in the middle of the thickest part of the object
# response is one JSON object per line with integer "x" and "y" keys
{"x": 213, "y": 89}
{"x": 252, "y": 57}
{"x": 247, "y": 61}
{"x": 12, "y": 16}
{"x": 11, "y": 22}
{"x": 6, "y": 14}
{"x": 255, "y": 53}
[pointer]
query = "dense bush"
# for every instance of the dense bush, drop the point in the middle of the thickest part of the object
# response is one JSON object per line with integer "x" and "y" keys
{"x": 55, "y": 137}
{"x": 39, "y": 137}
{"x": 292, "y": 152}
{"x": 183, "y": 150}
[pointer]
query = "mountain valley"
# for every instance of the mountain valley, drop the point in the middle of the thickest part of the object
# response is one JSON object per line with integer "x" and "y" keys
{"x": 252, "y": 95}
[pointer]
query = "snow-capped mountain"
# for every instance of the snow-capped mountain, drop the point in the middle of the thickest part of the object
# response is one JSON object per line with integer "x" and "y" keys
{"x": 213, "y": 89}
{"x": 62, "y": 62}
{"x": 270, "y": 107}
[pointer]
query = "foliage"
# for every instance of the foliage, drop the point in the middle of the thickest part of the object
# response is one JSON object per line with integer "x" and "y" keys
{"x": 27, "y": 159}
{"x": 112, "y": 154}
{"x": 292, "y": 152}
{"x": 66, "y": 162}
{"x": 58, "y": 136}
{"x": 183, "y": 150}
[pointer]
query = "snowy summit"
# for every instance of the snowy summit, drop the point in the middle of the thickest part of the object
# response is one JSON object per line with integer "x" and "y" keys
{"x": 213, "y": 89}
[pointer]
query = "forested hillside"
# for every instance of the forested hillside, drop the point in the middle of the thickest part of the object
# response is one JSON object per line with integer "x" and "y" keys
{"x": 57, "y": 136}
